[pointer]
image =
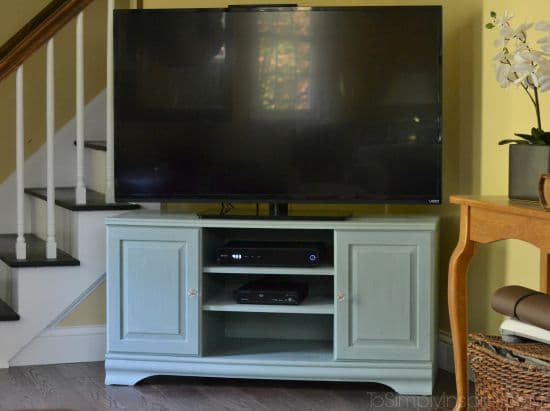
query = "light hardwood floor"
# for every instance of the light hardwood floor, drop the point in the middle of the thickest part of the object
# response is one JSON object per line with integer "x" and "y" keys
{"x": 80, "y": 387}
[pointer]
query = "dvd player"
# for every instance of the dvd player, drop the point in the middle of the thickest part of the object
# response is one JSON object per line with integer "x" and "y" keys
{"x": 273, "y": 291}
{"x": 271, "y": 253}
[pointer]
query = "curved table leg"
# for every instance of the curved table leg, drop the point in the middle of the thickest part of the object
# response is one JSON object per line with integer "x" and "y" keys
{"x": 457, "y": 299}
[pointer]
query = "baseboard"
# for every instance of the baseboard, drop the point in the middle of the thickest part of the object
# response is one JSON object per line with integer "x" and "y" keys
{"x": 64, "y": 345}
{"x": 445, "y": 352}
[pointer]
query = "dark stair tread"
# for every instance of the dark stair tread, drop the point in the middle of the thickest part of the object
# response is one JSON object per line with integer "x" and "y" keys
{"x": 65, "y": 197}
{"x": 36, "y": 253}
{"x": 100, "y": 145}
{"x": 7, "y": 313}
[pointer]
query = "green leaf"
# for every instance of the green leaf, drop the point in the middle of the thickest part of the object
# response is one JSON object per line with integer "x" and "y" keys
{"x": 537, "y": 132}
{"x": 537, "y": 137}
{"x": 494, "y": 14}
{"x": 546, "y": 138}
{"x": 527, "y": 137}
{"x": 512, "y": 141}
{"x": 490, "y": 26}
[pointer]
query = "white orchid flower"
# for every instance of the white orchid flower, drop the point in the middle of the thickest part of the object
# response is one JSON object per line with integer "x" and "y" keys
{"x": 501, "y": 56}
{"x": 504, "y": 20}
{"x": 544, "y": 66}
{"x": 543, "y": 26}
{"x": 504, "y": 74}
{"x": 544, "y": 82}
{"x": 517, "y": 62}
{"x": 520, "y": 32}
{"x": 506, "y": 32}
{"x": 525, "y": 65}
{"x": 545, "y": 44}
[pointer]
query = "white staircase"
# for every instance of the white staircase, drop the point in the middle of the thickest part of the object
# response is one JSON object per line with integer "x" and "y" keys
{"x": 40, "y": 284}
{"x": 42, "y": 291}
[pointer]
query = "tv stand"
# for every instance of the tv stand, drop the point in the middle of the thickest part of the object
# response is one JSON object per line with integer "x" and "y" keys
{"x": 369, "y": 314}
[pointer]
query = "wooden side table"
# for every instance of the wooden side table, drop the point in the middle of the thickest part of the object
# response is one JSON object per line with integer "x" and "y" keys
{"x": 485, "y": 220}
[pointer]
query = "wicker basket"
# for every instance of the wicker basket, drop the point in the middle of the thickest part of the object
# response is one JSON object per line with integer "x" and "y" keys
{"x": 507, "y": 384}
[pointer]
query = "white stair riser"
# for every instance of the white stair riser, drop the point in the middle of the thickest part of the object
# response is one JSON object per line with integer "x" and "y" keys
{"x": 5, "y": 283}
{"x": 94, "y": 161}
{"x": 79, "y": 233}
{"x": 63, "y": 224}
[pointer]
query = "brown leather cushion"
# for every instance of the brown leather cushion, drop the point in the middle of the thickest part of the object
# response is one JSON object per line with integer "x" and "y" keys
{"x": 529, "y": 306}
{"x": 535, "y": 310}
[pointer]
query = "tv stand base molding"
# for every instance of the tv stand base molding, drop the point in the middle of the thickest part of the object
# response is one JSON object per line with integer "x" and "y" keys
{"x": 415, "y": 380}
{"x": 369, "y": 314}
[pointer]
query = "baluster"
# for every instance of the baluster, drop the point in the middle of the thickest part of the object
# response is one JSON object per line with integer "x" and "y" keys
{"x": 109, "y": 161}
{"x": 80, "y": 190}
{"x": 20, "y": 244}
{"x": 51, "y": 246}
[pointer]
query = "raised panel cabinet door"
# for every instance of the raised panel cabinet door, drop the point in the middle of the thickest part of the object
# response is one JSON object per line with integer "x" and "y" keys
{"x": 384, "y": 295}
{"x": 152, "y": 290}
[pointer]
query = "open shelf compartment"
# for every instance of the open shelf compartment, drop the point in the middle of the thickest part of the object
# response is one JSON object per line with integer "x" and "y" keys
{"x": 327, "y": 270}
{"x": 214, "y": 238}
{"x": 218, "y": 295}
{"x": 268, "y": 337}
{"x": 259, "y": 349}
{"x": 311, "y": 305}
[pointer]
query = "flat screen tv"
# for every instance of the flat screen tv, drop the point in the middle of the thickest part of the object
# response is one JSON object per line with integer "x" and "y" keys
{"x": 279, "y": 105}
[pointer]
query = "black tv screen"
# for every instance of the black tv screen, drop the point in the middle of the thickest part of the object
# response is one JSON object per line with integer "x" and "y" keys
{"x": 278, "y": 104}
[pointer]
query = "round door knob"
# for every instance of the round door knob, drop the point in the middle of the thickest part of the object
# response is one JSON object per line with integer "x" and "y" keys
{"x": 341, "y": 297}
{"x": 192, "y": 292}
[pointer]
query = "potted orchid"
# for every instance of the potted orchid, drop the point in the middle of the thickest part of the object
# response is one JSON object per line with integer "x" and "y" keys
{"x": 518, "y": 62}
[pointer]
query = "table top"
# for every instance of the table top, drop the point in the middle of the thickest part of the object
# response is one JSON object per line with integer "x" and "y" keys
{"x": 503, "y": 204}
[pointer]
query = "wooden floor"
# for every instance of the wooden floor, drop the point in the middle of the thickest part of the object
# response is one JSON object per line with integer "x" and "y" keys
{"x": 80, "y": 387}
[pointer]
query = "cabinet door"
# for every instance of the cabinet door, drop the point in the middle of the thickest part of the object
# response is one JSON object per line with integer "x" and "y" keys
{"x": 152, "y": 290}
{"x": 384, "y": 298}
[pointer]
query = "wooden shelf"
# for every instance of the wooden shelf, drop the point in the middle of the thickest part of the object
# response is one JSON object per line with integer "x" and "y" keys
{"x": 230, "y": 269}
{"x": 311, "y": 305}
{"x": 256, "y": 349}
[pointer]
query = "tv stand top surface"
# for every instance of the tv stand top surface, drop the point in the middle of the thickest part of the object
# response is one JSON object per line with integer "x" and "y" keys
{"x": 161, "y": 218}
{"x": 287, "y": 217}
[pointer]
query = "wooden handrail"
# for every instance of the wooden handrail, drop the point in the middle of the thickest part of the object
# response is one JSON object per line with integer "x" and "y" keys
{"x": 36, "y": 32}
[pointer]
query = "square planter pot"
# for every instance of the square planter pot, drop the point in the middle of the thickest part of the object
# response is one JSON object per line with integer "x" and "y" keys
{"x": 527, "y": 162}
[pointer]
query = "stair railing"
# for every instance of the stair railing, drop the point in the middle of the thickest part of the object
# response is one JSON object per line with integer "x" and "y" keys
{"x": 38, "y": 31}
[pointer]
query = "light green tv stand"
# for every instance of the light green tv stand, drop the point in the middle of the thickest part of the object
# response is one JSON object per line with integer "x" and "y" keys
{"x": 369, "y": 315}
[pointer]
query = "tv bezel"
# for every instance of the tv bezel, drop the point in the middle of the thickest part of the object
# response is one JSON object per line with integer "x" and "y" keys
{"x": 275, "y": 200}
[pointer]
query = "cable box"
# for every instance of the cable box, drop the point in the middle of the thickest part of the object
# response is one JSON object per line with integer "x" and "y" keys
{"x": 272, "y": 291}
{"x": 271, "y": 253}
